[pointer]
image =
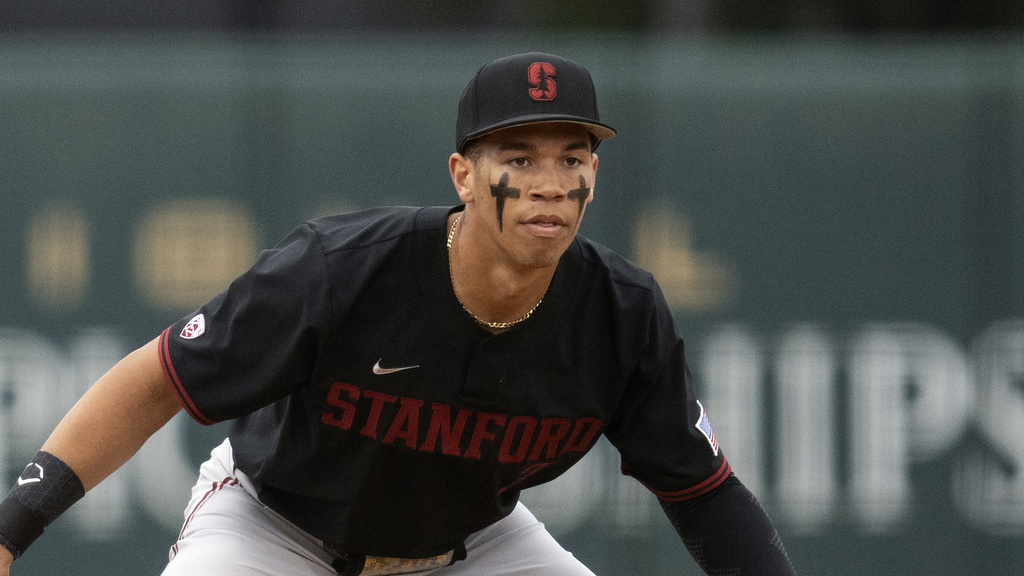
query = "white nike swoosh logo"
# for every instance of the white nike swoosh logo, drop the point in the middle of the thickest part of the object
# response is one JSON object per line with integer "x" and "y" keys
{"x": 382, "y": 371}
{"x": 23, "y": 481}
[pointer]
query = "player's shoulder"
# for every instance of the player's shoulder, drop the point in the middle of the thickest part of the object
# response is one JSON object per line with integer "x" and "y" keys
{"x": 374, "y": 226}
{"x": 615, "y": 291}
{"x": 603, "y": 262}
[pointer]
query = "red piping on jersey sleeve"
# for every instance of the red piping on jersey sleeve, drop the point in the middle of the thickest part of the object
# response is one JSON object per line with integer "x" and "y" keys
{"x": 175, "y": 383}
{"x": 693, "y": 491}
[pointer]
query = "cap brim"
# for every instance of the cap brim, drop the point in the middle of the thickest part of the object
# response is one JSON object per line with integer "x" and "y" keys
{"x": 599, "y": 130}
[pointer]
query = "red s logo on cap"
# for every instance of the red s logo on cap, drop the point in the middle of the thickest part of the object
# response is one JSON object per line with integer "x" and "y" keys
{"x": 542, "y": 78}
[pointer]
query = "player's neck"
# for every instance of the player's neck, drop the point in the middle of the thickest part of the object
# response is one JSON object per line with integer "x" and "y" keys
{"x": 496, "y": 294}
{"x": 494, "y": 289}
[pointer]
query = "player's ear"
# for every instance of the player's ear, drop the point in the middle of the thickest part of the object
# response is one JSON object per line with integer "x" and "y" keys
{"x": 461, "y": 169}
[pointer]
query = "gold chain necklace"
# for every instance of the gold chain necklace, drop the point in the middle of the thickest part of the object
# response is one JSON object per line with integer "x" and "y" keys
{"x": 494, "y": 325}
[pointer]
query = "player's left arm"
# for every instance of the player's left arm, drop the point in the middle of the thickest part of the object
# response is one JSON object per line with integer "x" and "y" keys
{"x": 727, "y": 532}
{"x": 666, "y": 441}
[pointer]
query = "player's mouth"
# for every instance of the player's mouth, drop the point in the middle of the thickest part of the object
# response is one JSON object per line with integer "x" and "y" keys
{"x": 546, "y": 226}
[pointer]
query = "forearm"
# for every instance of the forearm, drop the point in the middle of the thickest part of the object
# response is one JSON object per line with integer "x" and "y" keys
{"x": 115, "y": 417}
{"x": 727, "y": 532}
{"x": 100, "y": 433}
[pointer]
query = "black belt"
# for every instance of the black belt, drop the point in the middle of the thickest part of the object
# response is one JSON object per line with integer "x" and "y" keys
{"x": 349, "y": 564}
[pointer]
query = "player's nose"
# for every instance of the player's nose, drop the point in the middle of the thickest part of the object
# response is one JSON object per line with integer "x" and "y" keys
{"x": 548, "y": 185}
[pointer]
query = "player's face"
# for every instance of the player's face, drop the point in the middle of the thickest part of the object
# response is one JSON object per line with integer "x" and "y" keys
{"x": 528, "y": 190}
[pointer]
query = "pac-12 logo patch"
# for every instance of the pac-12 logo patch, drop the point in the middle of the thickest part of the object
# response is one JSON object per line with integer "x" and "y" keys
{"x": 704, "y": 425}
{"x": 195, "y": 327}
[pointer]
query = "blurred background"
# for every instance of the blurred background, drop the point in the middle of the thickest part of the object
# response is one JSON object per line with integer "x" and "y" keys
{"x": 831, "y": 194}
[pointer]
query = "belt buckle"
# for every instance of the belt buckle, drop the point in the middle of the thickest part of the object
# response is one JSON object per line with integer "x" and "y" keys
{"x": 359, "y": 565}
{"x": 384, "y": 566}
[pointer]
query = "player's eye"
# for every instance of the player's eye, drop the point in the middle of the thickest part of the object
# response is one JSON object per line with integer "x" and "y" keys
{"x": 573, "y": 161}
{"x": 519, "y": 162}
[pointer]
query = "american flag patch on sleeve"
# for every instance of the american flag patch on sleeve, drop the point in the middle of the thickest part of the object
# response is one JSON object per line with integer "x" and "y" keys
{"x": 704, "y": 426}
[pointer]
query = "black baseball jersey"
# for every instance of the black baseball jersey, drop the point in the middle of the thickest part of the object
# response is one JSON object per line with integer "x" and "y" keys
{"x": 372, "y": 411}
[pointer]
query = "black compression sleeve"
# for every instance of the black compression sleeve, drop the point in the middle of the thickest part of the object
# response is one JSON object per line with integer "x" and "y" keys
{"x": 728, "y": 533}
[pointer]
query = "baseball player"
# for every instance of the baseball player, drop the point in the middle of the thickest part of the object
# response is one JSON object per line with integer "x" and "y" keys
{"x": 396, "y": 376}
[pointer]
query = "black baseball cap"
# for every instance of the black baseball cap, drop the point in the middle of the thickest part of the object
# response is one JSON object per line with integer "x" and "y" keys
{"x": 528, "y": 88}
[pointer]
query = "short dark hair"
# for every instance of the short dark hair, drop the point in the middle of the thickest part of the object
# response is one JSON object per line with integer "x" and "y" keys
{"x": 473, "y": 149}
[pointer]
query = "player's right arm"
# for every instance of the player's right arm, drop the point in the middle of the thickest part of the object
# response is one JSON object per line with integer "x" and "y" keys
{"x": 105, "y": 428}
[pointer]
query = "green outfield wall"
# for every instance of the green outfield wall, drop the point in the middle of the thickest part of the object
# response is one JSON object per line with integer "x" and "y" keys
{"x": 838, "y": 225}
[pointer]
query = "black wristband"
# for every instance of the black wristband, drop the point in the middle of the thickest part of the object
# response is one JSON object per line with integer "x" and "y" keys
{"x": 19, "y": 526}
{"x": 10, "y": 547}
{"x": 43, "y": 492}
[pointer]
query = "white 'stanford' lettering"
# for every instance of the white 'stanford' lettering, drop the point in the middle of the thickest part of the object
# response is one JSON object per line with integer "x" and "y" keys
{"x": 436, "y": 427}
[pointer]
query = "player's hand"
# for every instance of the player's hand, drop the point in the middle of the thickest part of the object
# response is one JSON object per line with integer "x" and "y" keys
{"x": 5, "y": 561}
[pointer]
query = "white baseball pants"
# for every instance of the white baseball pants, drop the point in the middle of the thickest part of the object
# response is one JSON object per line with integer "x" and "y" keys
{"x": 228, "y": 532}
